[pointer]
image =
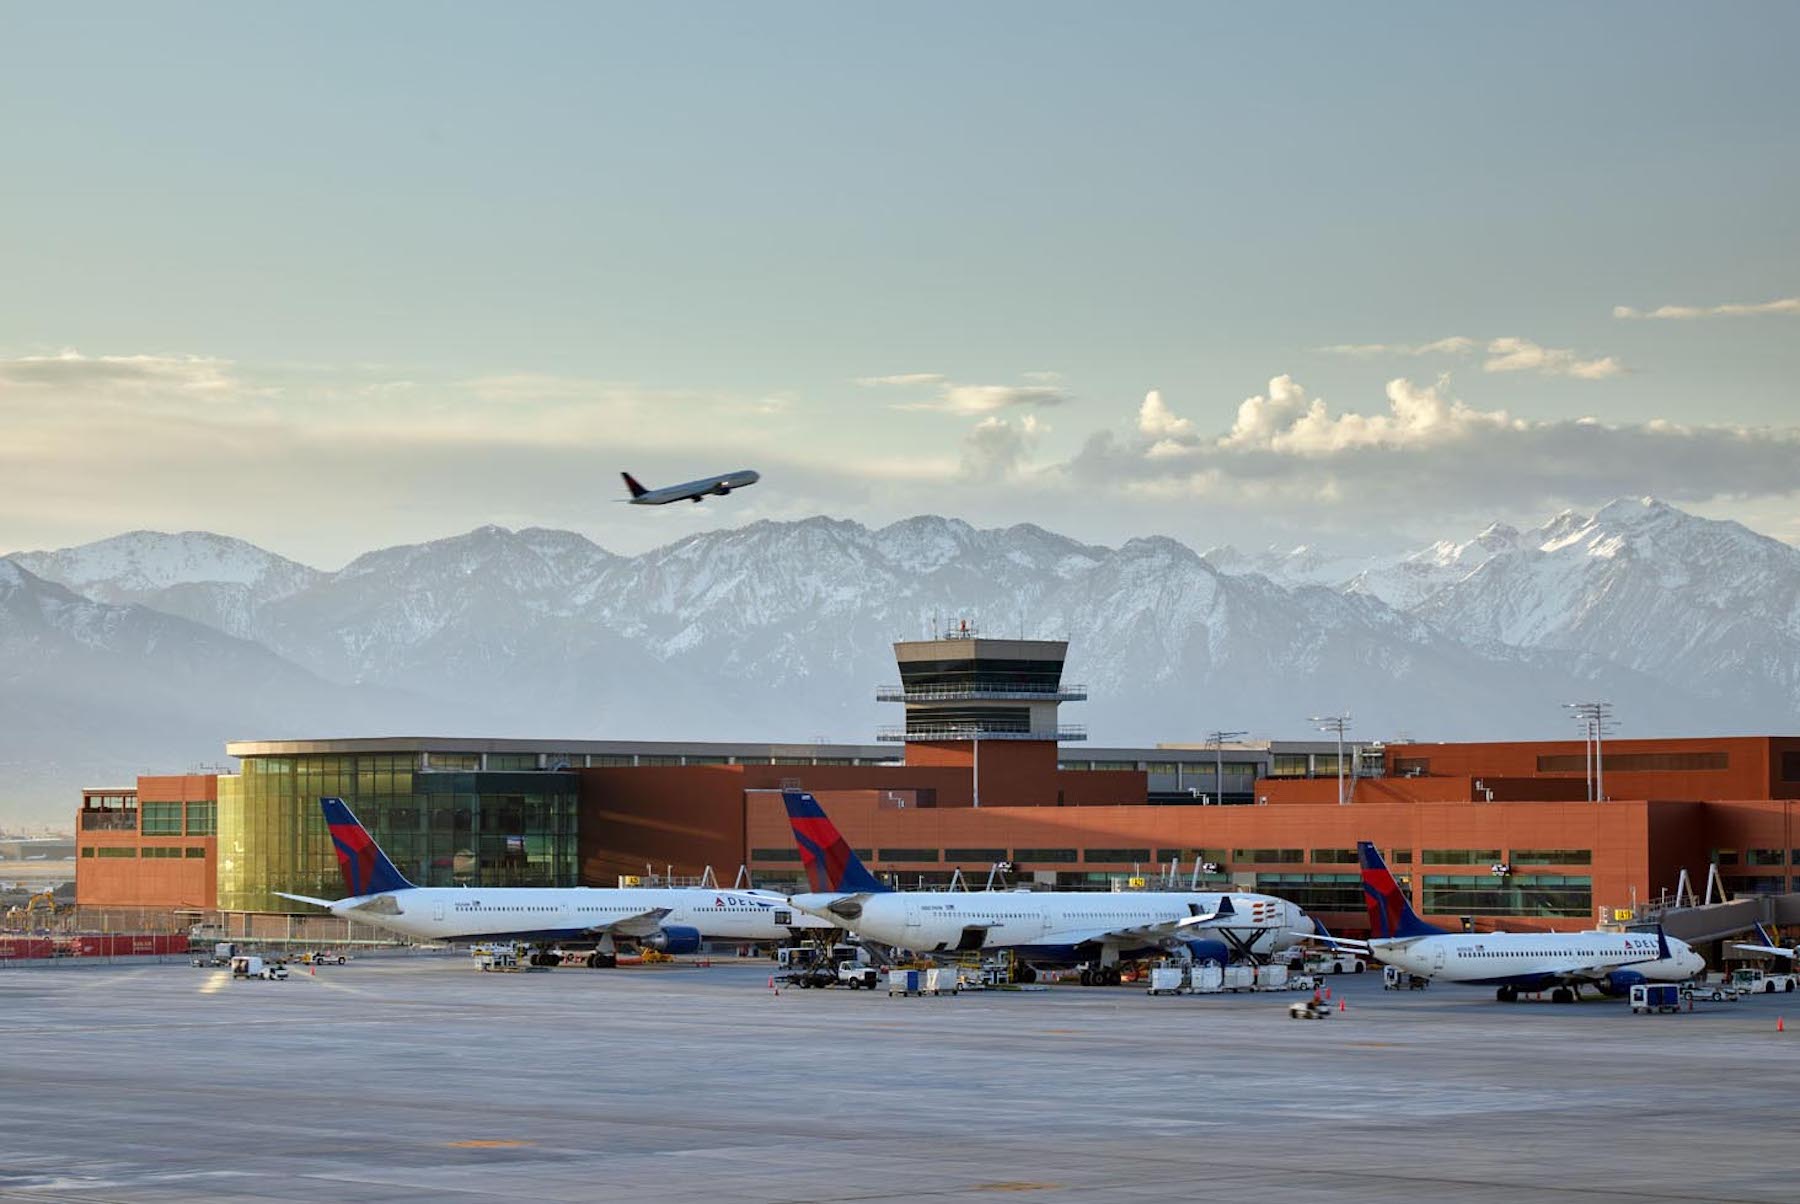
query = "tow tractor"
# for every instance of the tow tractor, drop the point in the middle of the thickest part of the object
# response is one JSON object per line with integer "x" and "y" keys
{"x": 1762, "y": 982}
{"x": 1393, "y": 978}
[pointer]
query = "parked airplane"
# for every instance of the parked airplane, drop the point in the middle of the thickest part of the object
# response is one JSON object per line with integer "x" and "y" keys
{"x": 1769, "y": 947}
{"x": 668, "y": 919}
{"x": 692, "y": 491}
{"x": 1042, "y": 928}
{"x": 1510, "y": 962}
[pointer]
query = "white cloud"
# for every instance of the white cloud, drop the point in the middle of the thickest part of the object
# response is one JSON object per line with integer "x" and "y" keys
{"x": 1514, "y": 354}
{"x": 1428, "y": 451}
{"x": 975, "y": 401}
{"x": 1456, "y": 344}
{"x": 901, "y": 379}
{"x": 1783, "y": 305}
{"x": 193, "y": 375}
{"x": 997, "y": 448}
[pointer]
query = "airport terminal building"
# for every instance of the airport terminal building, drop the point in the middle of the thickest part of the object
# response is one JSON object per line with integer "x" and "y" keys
{"x": 981, "y": 770}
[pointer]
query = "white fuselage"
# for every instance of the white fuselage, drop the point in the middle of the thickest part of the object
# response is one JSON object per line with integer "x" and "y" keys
{"x": 1517, "y": 958}
{"x": 693, "y": 491}
{"x": 445, "y": 913}
{"x": 1055, "y": 921}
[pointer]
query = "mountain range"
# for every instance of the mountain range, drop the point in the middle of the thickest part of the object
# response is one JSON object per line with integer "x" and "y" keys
{"x": 146, "y": 651}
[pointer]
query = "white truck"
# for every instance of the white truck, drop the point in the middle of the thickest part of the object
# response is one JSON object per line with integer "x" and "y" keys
{"x": 1335, "y": 963}
{"x": 250, "y": 966}
{"x": 1763, "y": 982}
{"x": 1393, "y": 978}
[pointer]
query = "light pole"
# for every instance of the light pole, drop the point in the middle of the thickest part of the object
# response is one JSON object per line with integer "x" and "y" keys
{"x": 1596, "y": 718}
{"x": 1217, "y": 740}
{"x": 1339, "y": 724}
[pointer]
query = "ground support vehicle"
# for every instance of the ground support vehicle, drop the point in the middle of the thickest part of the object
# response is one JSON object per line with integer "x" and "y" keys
{"x": 1647, "y": 997}
{"x": 1336, "y": 963}
{"x": 1393, "y": 978}
{"x": 1711, "y": 992}
{"x": 251, "y": 966}
{"x": 497, "y": 960}
{"x": 1308, "y": 1009}
{"x": 1763, "y": 982}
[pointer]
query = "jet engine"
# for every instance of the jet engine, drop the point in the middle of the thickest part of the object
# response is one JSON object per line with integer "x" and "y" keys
{"x": 1620, "y": 982}
{"x": 678, "y": 938}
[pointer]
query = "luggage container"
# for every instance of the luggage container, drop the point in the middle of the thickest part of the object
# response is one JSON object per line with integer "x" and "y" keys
{"x": 903, "y": 982}
{"x": 1272, "y": 978}
{"x": 938, "y": 980}
{"x": 1655, "y": 997}
{"x": 1239, "y": 978}
{"x": 1207, "y": 978}
{"x": 1166, "y": 980}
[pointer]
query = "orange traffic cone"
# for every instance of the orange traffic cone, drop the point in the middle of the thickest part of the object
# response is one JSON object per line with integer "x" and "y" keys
{"x": 1779, "y": 1026}
{"x": 313, "y": 970}
{"x": 1341, "y": 1006}
{"x": 1328, "y": 992}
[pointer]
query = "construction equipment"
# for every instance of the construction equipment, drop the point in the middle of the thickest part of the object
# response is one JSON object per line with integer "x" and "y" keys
{"x": 43, "y": 903}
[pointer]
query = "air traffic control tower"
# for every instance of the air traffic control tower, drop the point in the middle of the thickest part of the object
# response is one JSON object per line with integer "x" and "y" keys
{"x": 987, "y": 705}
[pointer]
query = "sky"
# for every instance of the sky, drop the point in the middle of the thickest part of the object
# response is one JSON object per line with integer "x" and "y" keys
{"x": 339, "y": 276}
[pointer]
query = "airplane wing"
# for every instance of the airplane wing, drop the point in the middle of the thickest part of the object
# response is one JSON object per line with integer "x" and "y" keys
{"x": 1342, "y": 941}
{"x": 1771, "y": 950}
{"x": 644, "y": 923}
{"x": 1164, "y": 930}
{"x": 325, "y": 903}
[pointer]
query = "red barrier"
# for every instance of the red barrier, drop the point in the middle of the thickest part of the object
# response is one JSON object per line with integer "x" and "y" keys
{"x": 23, "y": 947}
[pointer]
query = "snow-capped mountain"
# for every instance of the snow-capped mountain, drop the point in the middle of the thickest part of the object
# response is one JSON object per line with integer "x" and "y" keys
{"x": 1710, "y": 608}
{"x": 212, "y": 579}
{"x": 781, "y": 631}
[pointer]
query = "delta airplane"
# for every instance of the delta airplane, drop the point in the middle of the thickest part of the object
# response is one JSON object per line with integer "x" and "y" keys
{"x": 667, "y": 919}
{"x": 1769, "y": 946}
{"x": 1040, "y": 927}
{"x": 691, "y": 491}
{"x": 1510, "y": 962}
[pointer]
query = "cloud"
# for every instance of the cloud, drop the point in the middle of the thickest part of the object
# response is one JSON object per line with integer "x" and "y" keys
{"x": 903, "y": 378}
{"x": 975, "y": 401}
{"x": 1426, "y": 450}
{"x": 1456, "y": 344}
{"x": 1783, "y": 305}
{"x": 194, "y": 375}
{"x": 997, "y": 448}
{"x": 1522, "y": 355}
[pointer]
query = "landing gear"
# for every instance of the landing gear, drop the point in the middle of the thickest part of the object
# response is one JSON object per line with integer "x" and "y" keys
{"x": 1562, "y": 995}
{"x": 1098, "y": 976}
{"x": 602, "y": 961}
{"x": 1024, "y": 974}
{"x": 1507, "y": 995}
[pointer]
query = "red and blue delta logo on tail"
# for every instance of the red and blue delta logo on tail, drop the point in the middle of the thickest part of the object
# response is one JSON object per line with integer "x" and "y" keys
{"x": 367, "y": 870}
{"x": 1390, "y": 914}
{"x": 831, "y": 864}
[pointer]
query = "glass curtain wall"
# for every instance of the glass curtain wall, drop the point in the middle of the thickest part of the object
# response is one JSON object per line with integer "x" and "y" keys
{"x": 440, "y": 829}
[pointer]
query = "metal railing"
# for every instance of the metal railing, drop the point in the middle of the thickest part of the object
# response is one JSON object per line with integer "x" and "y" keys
{"x": 1069, "y": 692}
{"x": 964, "y": 731}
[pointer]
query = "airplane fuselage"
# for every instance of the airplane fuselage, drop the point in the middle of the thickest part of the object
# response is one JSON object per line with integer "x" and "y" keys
{"x": 451, "y": 913}
{"x": 694, "y": 491}
{"x": 1534, "y": 961}
{"x": 1050, "y": 927}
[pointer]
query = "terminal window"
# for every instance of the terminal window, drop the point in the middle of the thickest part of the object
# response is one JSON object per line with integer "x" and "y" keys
{"x": 512, "y": 761}
{"x": 1316, "y": 892}
{"x": 909, "y": 854}
{"x": 1671, "y": 762}
{"x": 196, "y": 853}
{"x": 117, "y": 851}
{"x": 1269, "y": 856}
{"x": 202, "y": 819}
{"x": 1552, "y": 857}
{"x": 1461, "y": 856}
{"x": 1334, "y": 856}
{"x": 775, "y": 854}
{"x": 1288, "y": 765}
{"x": 1518, "y": 895}
{"x": 986, "y": 856}
{"x": 1027, "y": 855}
{"x": 1116, "y": 855}
{"x": 159, "y": 819}
{"x": 1762, "y": 856}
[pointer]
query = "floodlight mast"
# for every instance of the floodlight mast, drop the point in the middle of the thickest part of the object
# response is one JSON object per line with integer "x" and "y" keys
{"x": 1596, "y": 719}
{"x": 1217, "y": 740}
{"x": 1339, "y": 724}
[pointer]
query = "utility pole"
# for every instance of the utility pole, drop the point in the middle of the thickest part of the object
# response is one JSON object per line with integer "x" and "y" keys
{"x": 1339, "y": 724}
{"x": 1217, "y": 740}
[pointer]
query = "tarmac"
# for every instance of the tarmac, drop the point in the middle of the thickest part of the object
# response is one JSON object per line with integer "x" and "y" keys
{"x": 412, "y": 1078}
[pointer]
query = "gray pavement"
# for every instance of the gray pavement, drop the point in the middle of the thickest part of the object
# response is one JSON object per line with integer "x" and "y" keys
{"x": 415, "y": 1078}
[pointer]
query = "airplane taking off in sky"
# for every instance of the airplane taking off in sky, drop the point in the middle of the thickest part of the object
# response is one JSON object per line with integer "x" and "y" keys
{"x": 1042, "y": 928}
{"x": 668, "y": 919}
{"x": 1510, "y": 962}
{"x": 1769, "y": 946}
{"x": 691, "y": 491}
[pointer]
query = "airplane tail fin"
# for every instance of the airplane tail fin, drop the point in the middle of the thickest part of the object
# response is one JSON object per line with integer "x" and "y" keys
{"x": 1765, "y": 936}
{"x": 831, "y": 864}
{"x": 367, "y": 870}
{"x": 1390, "y": 914}
{"x": 631, "y": 483}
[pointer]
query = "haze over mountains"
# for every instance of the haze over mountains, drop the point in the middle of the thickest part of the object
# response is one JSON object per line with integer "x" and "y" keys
{"x": 146, "y": 651}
